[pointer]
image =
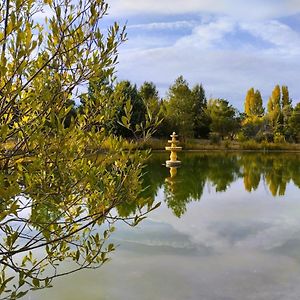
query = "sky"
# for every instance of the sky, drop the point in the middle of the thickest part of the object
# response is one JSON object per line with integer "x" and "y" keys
{"x": 227, "y": 45}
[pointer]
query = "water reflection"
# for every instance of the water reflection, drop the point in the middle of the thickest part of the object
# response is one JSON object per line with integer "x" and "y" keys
{"x": 219, "y": 171}
{"x": 238, "y": 242}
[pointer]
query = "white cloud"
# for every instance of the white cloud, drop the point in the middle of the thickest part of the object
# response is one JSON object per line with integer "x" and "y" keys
{"x": 240, "y": 9}
{"x": 252, "y": 222}
{"x": 224, "y": 74}
{"x": 226, "y": 70}
{"x": 163, "y": 25}
{"x": 205, "y": 34}
{"x": 280, "y": 35}
{"x": 138, "y": 42}
{"x": 131, "y": 7}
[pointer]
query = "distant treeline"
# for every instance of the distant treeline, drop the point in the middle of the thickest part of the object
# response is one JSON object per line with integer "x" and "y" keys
{"x": 187, "y": 111}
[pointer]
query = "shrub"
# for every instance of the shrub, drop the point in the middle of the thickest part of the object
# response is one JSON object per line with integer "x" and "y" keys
{"x": 214, "y": 138}
{"x": 279, "y": 138}
{"x": 240, "y": 137}
{"x": 250, "y": 145}
{"x": 268, "y": 136}
{"x": 227, "y": 144}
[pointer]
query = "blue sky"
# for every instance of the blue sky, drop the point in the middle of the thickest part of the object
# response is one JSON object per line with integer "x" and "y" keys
{"x": 227, "y": 45}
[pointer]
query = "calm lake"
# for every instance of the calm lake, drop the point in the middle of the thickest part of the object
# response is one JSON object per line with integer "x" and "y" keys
{"x": 228, "y": 228}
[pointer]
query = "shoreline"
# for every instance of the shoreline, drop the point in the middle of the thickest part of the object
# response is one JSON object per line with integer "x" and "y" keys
{"x": 229, "y": 150}
{"x": 195, "y": 145}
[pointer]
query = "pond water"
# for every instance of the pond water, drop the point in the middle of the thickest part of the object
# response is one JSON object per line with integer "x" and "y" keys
{"x": 228, "y": 228}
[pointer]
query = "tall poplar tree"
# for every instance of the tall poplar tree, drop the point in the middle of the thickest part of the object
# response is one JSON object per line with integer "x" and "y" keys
{"x": 287, "y": 111}
{"x": 258, "y": 108}
{"x": 253, "y": 103}
{"x": 249, "y": 100}
{"x": 274, "y": 109}
{"x": 285, "y": 101}
{"x": 274, "y": 103}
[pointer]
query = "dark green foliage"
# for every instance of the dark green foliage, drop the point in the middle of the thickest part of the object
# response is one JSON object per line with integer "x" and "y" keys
{"x": 294, "y": 123}
{"x": 148, "y": 92}
{"x": 201, "y": 119}
{"x": 123, "y": 92}
{"x": 186, "y": 109}
{"x": 180, "y": 107}
{"x": 224, "y": 119}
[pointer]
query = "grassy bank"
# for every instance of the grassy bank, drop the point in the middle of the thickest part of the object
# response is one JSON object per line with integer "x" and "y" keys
{"x": 195, "y": 144}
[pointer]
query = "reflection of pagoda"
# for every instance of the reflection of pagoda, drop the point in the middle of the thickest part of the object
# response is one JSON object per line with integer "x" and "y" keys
{"x": 172, "y": 181}
{"x": 173, "y": 193}
{"x": 174, "y": 149}
{"x": 173, "y": 172}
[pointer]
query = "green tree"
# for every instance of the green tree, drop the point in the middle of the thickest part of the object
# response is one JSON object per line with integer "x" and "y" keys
{"x": 180, "y": 107}
{"x": 163, "y": 129}
{"x": 223, "y": 117}
{"x": 55, "y": 187}
{"x": 148, "y": 92}
{"x": 155, "y": 107}
{"x": 294, "y": 123}
{"x": 200, "y": 118}
{"x": 126, "y": 94}
{"x": 100, "y": 95}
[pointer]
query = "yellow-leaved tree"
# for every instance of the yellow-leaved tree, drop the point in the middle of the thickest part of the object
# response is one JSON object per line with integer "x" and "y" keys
{"x": 62, "y": 175}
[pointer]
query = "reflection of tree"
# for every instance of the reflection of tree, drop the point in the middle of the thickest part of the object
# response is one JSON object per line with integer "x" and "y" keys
{"x": 295, "y": 171}
{"x": 172, "y": 194}
{"x": 276, "y": 169}
{"x": 277, "y": 176}
{"x": 191, "y": 177}
{"x": 154, "y": 174}
{"x": 54, "y": 215}
{"x": 251, "y": 173}
{"x": 188, "y": 184}
{"x": 222, "y": 171}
